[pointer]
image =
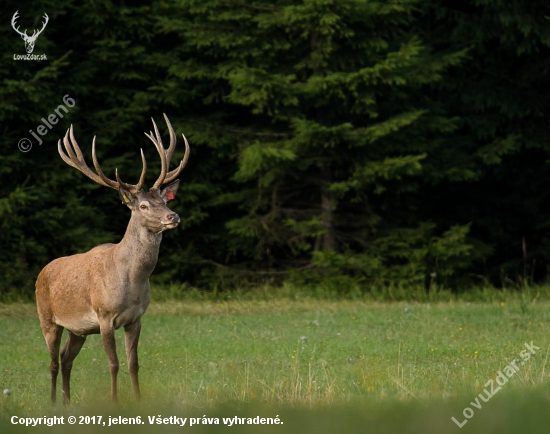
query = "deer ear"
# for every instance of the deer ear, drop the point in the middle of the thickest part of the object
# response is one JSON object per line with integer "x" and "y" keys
{"x": 169, "y": 193}
{"x": 126, "y": 197}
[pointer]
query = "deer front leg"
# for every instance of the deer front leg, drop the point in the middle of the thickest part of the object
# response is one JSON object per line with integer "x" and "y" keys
{"x": 68, "y": 354}
{"x": 108, "y": 337}
{"x": 131, "y": 340}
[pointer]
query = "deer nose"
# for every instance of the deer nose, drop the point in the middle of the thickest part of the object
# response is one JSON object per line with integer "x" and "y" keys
{"x": 173, "y": 217}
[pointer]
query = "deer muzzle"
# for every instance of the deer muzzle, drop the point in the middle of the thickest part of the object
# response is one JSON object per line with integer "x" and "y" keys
{"x": 171, "y": 220}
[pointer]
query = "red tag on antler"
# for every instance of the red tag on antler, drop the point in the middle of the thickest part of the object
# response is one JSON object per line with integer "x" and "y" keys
{"x": 170, "y": 195}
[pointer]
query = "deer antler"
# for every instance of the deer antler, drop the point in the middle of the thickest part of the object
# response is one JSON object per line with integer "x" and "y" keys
{"x": 76, "y": 160}
{"x": 46, "y": 18}
{"x": 13, "y": 20}
{"x": 24, "y": 34}
{"x": 166, "y": 154}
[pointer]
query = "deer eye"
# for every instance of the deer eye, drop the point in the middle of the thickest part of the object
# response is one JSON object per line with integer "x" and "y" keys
{"x": 144, "y": 207}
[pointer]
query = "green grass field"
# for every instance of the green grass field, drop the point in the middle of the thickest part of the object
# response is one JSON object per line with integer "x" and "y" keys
{"x": 320, "y": 365}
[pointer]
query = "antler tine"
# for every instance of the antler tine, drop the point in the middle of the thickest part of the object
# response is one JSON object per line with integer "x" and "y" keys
{"x": 128, "y": 186}
{"x": 13, "y": 20}
{"x": 63, "y": 156}
{"x": 118, "y": 183}
{"x": 35, "y": 33}
{"x": 150, "y": 136}
{"x": 143, "y": 171}
{"x": 174, "y": 173}
{"x": 75, "y": 144}
{"x": 162, "y": 153}
{"x": 166, "y": 154}
{"x": 172, "y": 147}
{"x": 69, "y": 148}
{"x": 45, "y": 22}
{"x": 109, "y": 182}
{"x": 76, "y": 159}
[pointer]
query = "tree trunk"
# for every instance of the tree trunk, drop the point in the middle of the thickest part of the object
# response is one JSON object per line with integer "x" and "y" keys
{"x": 327, "y": 214}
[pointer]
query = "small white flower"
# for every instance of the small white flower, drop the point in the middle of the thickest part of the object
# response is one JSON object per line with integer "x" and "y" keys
{"x": 447, "y": 396}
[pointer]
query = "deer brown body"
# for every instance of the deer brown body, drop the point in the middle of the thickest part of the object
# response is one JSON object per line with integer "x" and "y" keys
{"x": 107, "y": 287}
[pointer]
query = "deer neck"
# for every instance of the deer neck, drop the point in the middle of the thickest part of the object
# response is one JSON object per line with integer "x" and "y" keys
{"x": 139, "y": 249}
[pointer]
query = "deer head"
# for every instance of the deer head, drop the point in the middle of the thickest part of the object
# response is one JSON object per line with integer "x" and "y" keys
{"x": 29, "y": 40}
{"x": 149, "y": 208}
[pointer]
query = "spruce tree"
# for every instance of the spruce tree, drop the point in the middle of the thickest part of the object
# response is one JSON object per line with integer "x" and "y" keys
{"x": 328, "y": 104}
{"x": 495, "y": 173}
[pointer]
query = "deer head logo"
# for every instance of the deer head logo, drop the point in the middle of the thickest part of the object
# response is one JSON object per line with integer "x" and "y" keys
{"x": 29, "y": 40}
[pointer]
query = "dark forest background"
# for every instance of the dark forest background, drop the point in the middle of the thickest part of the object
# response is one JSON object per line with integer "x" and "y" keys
{"x": 353, "y": 142}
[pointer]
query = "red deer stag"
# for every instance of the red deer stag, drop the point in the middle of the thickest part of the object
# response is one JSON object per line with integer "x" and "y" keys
{"x": 108, "y": 287}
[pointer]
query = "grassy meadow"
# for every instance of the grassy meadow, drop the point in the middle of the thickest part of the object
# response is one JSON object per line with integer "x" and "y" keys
{"x": 319, "y": 364}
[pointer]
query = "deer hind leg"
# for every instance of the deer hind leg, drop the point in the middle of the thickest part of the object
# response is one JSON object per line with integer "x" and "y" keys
{"x": 52, "y": 334}
{"x": 109, "y": 343}
{"x": 68, "y": 354}
{"x": 131, "y": 338}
